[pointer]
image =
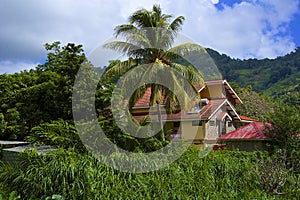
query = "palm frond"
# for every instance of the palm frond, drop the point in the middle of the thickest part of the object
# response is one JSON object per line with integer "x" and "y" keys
{"x": 119, "y": 68}
{"x": 121, "y": 47}
{"x": 182, "y": 89}
{"x": 166, "y": 38}
{"x": 190, "y": 73}
{"x": 171, "y": 101}
{"x": 141, "y": 18}
{"x": 124, "y": 29}
{"x": 159, "y": 19}
{"x": 139, "y": 40}
{"x": 156, "y": 94}
{"x": 186, "y": 49}
{"x": 176, "y": 24}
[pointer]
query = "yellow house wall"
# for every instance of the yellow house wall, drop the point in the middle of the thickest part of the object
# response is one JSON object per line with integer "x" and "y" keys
{"x": 216, "y": 91}
{"x": 190, "y": 132}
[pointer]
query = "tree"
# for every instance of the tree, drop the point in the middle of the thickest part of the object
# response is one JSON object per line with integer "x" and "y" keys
{"x": 285, "y": 120}
{"x": 149, "y": 38}
{"x": 59, "y": 73}
{"x": 254, "y": 105}
{"x": 40, "y": 95}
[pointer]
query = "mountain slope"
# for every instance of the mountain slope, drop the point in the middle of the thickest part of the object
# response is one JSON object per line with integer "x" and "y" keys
{"x": 270, "y": 76}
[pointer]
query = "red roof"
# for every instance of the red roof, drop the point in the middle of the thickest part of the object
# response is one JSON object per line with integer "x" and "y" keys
{"x": 254, "y": 130}
{"x": 145, "y": 100}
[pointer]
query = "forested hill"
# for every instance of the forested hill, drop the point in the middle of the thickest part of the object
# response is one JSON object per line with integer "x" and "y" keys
{"x": 271, "y": 76}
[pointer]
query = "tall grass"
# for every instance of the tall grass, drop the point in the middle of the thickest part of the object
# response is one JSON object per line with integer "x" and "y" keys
{"x": 220, "y": 175}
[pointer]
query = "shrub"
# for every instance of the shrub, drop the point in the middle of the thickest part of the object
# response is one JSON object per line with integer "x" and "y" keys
{"x": 58, "y": 133}
{"x": 69, "y": 175}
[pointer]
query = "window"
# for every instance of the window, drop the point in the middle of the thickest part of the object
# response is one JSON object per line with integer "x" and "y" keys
{"x": 229, "y": 124}
{"x": 197, "y": 123}
{"x": 212, "y": 123}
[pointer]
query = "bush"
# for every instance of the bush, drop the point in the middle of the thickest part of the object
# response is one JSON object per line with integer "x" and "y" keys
{"x": 1, "y": 147}
{"x": 58, "y": 133}
{"x": 69, "y": 175}
{"x": 285, "y": 122}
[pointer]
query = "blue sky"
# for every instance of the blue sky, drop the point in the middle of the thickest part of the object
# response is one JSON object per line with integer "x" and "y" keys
{"x": 295, "y": 29}
{"x": 239, "y": 28}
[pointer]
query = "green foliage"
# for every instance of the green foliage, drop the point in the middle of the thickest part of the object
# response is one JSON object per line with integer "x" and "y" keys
{"x": 9, "y": 196}
{"x": 271, "y": 76}
{"x": 126, "y": 141}
{"x": 273, "y": 173}
{"x": 285, "y": 120}
{"x": 291, "y": 96}
{"x": 58, "y": 133}
{"x": 285, "y": 130}
{"x": 56, "y": 197}
{"x": 40, "y": 95}
{"x": 13, "y": 127}
{"x": 220, "y": 175}
{"x": 254, "y": 105}
{"x": 3, "y": 125}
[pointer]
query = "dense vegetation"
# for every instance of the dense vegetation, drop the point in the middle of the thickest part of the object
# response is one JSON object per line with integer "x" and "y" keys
{"x": 271, "y": 76}
{"x": 72, "y": 173}
{"x": 219, "y": 175}
{"x": 36, "y": 106}
{"x": 30, "y": 98}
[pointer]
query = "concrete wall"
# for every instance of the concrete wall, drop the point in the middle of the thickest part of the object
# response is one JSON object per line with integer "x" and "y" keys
{"x": 213, "y": 126}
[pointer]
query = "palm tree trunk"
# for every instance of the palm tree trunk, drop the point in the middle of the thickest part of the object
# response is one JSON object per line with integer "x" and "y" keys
{"x": 160, "y": 122}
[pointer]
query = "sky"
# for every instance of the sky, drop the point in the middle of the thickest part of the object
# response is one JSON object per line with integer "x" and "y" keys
{"x": 239, "y": 28}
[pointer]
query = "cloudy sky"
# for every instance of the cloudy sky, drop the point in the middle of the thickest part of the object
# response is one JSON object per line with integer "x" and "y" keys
{"x": 238, "y": 28}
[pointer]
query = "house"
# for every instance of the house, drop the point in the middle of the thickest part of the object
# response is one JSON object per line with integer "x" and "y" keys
{"x": 251, "y": 137}
{"x": 204, "y": 124}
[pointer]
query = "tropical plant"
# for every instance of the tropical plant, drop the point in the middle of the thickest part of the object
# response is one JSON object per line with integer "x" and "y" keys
{"x": 10, "y": 196}
{"x": 40, "y": 95}
{"x": 149, "y": 37}
{"x": 255, "y": 105}
{"x": 58, "y": 133}
{"x": 65, "y": 174}
{"x": 273, "y": 173}
{"x": 285, "y": 120}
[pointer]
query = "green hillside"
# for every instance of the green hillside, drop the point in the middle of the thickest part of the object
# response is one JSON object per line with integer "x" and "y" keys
{"x": 270, "y": 76}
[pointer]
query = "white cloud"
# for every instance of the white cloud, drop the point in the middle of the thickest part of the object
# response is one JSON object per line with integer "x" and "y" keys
{"x": 8, "y": 66}
{"x": 251, "y": 28}
{"x": 247, "y": 29}
{"x": 215, "y": 1}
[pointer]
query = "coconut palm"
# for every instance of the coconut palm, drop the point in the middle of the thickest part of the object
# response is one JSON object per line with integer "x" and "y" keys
{"x": 148, "y": 40}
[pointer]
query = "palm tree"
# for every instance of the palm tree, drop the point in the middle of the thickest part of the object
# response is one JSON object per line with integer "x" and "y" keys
{"x": 148, "y": 40}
